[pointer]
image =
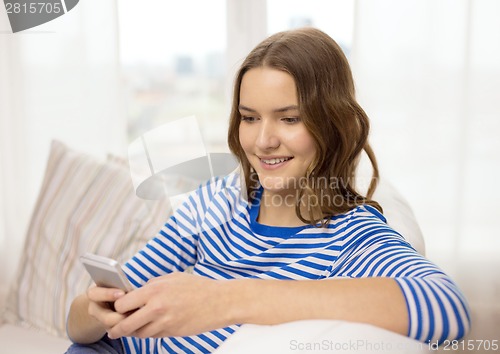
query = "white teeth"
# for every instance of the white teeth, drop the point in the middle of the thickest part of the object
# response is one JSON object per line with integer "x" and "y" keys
{"x": 275, "y": 161}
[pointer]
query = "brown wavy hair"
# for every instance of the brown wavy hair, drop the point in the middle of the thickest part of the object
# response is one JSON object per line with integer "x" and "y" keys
{"x": 330, "y": 112}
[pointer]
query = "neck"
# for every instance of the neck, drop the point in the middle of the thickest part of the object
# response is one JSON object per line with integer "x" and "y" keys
{"x": 278, "y": 210}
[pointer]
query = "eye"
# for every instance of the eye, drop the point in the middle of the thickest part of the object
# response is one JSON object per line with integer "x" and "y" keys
{"x": 248, "y": 119}
{"x": 291, "y": 120}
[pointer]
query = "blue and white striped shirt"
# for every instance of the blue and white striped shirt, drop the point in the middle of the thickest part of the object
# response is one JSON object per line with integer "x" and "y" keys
{"x": 216, "y": 232}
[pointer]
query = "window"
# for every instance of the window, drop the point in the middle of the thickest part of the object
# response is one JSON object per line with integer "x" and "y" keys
{"x": 176, "y": 63}
{"x": 173, "y": 63}
{"x": 333, "y": 17}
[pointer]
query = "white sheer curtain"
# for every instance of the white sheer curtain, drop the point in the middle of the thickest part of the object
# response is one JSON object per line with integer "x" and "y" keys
{"x": 428, "y": 75}
{"x": 57, "y": 81}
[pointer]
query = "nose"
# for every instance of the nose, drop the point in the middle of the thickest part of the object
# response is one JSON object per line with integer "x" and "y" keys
{"x": 267, "y": 138}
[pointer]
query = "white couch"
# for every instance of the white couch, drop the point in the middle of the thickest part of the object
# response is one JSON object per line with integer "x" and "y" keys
{"x": 89, "y": 205}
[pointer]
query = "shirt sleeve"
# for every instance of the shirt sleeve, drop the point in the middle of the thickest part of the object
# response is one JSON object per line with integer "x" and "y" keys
{"x": 172, "y": 249}
{"x": 436, "y": 307}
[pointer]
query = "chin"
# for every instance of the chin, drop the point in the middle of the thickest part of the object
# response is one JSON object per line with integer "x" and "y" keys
{"x": 278, "y": 184}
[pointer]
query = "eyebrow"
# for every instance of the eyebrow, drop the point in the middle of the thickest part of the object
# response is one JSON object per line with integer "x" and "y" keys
{"x": 277, "y": 110}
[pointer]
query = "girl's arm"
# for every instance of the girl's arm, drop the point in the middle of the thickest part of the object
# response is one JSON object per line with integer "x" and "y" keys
{"x": 408, "y": 295}
{"x": 82, "y": 325}
{"x": 376, "y": 301}
{"x": 90, "y": 315}
{"x": 180, "y": 304}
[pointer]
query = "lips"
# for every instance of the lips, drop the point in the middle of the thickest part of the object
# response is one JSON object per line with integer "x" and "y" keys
{"x": 275, "y": 161}
{"x": 270, "y": 163}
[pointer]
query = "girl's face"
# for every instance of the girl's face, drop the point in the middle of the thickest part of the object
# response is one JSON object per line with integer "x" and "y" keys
{"x": 275, "y": 140}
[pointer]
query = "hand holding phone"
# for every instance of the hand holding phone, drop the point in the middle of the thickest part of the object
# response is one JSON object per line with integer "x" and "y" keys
{"x": 106, "y": 272}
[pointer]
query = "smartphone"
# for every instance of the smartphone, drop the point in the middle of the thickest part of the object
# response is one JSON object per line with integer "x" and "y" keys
{"x": 106, "y": 272}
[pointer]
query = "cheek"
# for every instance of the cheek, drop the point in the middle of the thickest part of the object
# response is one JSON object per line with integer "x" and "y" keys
{"x": 303, "y": 143}
{"x": 310, "y": 147}
{"x": 244, "y": 138}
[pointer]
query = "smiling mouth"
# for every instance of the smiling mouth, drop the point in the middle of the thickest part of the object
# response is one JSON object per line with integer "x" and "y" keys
{"x": 275, "y": 161}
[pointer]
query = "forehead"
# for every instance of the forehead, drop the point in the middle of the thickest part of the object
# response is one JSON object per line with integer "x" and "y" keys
{"x": 268, "y": 88}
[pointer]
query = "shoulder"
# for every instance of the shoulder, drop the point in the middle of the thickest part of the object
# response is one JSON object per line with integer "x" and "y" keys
{"x": 218, "y": 195}
{"x": 368, "y": 212}
{"x": 219, "y": 190}
{"x": 365, "y": 224}
{"x": 358, "y": 216}
{"x": 230, "y": 183}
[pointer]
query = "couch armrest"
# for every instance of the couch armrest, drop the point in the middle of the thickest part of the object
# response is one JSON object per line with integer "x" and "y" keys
{"x": 399, "y": 214}
{"x": 23, "y": 340}
{"x": 319, "y": 336}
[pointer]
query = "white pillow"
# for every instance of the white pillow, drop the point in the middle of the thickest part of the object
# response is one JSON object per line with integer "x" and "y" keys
{"x": 399, "y": 214}
{"x": 319, "y": 336}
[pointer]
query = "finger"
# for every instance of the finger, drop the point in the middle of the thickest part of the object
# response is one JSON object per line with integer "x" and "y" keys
{"x": 100, "y": 294}
{"x": 104, "y": 315}
{"x": 131, "y": 301}
{"x": 151, "y": 330}
{"x": 132, "y": 323}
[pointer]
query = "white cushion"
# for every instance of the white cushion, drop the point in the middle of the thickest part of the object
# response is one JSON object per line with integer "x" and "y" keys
{"x": 319, "y": 336}
{"x": 399, "y": 214}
